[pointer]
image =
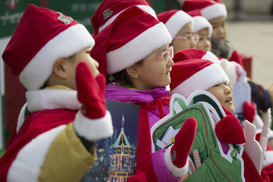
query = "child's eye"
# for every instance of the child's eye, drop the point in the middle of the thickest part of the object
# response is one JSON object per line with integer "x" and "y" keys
{"x": 216, "y": 85}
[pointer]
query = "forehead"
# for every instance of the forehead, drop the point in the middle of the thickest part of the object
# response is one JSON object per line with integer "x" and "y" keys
{"x": 217, "y": 20}
{"x": 186, "y": 29}
{"x": 203, "y": 31}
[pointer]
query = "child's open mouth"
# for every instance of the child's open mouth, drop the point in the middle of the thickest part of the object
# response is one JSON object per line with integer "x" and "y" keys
{"x": 229, "y": 101}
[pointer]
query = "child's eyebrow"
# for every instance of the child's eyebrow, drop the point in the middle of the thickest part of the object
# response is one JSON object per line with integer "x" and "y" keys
{"x": 187, "y": 32}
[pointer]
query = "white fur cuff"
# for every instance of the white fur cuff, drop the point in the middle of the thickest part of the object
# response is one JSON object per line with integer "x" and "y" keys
{"x": 175, "y": 171}
{"x": 93, "y": 129}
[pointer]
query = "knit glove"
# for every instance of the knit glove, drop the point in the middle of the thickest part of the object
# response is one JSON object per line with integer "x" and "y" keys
{"x": 229, "y": 130}
{"x": 249, "y": 111}
{"x": 176, "y": 156}
{"x": 93, "y": 121}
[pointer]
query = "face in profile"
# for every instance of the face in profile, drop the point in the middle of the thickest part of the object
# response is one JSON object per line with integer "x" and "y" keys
{"x": 154, "y": 72}
{"x": 184, "y": 39}
{"x": 219, "y": 30}
{"x": 72, "y": 62}
{"x": 224, "y": 95}
{"x": 204, "y": 40}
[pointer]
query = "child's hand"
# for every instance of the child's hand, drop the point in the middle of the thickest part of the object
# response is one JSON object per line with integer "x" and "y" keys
{"x": 90, "y": 92}
{"x": 229, "y": 130}
{"x": 176, "y": 156}
{"x": 93, "y": 121}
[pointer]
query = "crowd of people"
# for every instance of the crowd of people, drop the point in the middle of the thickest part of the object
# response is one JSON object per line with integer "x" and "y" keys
{"x": 139, "y": 57}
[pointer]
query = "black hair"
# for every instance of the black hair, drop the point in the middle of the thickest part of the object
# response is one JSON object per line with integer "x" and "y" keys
{"x": 122, "y": 77}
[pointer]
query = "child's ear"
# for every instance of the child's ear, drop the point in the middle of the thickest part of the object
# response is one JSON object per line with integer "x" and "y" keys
{"x": 133, "y": 71}
{"x": 59, "y": 68}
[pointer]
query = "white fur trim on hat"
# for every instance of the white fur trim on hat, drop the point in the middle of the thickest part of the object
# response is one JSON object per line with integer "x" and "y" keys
{"x": 175, "y": 171}
{"x": 200, "y": 22}
{"x": 202, "y": 80}
{"x": 93, "y": 129}
{"x": 214, "y": 11}
{"x": 30, "y": 159}
{"x": 211, "y": 57}
{"x": 138, "y": 48}
{"x": 65, "y": 44}
{"x": 178, "y": 21}
{"x": 148, "y": 9}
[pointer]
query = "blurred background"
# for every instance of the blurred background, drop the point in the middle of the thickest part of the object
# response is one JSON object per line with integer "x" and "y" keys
{"x": 249, "y": 27}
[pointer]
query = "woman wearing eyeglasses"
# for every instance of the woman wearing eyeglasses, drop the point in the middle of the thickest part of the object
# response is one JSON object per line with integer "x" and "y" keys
{"x": 180, "y": 26}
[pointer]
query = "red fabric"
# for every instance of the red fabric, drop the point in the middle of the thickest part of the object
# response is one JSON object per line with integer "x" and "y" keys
{"x": 26, "y": 30}
{"x": 183, "y": 142}
{"x": 250, "y": 172}
{"x": 229, "y": 130}
{"x": 188, "y": 68}
{"x": 138, "y": 177}
{"x": 166, "y": 15}
{"x": 190, "y": 53}
{"x": 190, "y": 5}
{"x": 268, "y": 170}
{"x": 196, "y": 12}
{"x": 157, "y": 104}
{"x": 236, "y": 57}
{"x": 90, "y": 92}
{"x": 115, "y": 6}
{"x": 127, "y": 26}
{"x": 34, "y": 125}
{"x": 144, "y": 151}
{"x": 258, "y": 138}
{"x": 249, "y": 111}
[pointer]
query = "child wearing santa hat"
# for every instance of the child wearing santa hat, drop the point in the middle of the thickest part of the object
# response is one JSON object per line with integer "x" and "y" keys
{"x": 203, "y": 28}
{"x": 203, "y": 74}
{"x": 110, "y": 9}
{"x": 135, "y": 49}
{"x": 180, "y": 25}
{"x": 53, "y": 139}
{"x": 215, "y": 12}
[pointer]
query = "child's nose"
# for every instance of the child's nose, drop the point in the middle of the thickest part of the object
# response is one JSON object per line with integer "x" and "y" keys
{"x": 193, "y": 44}
{"x": 227, "y": 90}
{"x": 170, "y": 62}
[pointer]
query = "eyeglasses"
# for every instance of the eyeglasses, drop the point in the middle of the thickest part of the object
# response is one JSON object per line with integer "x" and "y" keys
{"x": 166, "y": 55}
{"x": 189, "y": 38}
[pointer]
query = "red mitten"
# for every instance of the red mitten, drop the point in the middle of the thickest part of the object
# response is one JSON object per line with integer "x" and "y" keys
{"x": 138, "y": 177}
{"x": 229, "y": 130}
{"x": 176, "y": 157}
{"x": 93, "y": 121}
{"x": 90, "y": 92}
{"x": 249, "y": 111}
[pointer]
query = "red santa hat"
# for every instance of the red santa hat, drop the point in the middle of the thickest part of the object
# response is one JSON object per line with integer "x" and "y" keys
{"x": 192, "y": 53}
{"x": 195, "y": 74}
{"x": 131, "y": 37}
{"x": 110, "y": 9}
{"x": 175, "y": 20}
{"x": 41, "y": 37}
{"x": 210, "y": 9}
{"x": 199, "y": 21}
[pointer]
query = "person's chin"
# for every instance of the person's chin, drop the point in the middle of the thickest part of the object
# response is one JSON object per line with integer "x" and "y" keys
{"x": 230, "y": 108}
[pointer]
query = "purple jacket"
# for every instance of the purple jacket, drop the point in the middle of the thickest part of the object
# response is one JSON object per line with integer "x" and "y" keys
{"x": 157, "y": 105}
